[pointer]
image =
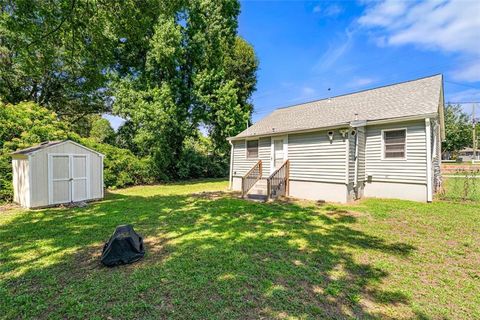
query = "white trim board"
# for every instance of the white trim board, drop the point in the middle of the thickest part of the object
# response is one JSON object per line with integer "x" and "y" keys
{"x": 62, "y": 143}
{"x": 429, "y": 160}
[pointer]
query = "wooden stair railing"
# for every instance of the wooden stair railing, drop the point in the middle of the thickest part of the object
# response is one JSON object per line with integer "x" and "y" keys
{"x": 278, "y": 183}
{"x": 251, "y": 177}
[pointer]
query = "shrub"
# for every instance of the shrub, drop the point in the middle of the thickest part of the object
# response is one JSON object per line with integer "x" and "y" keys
{"x": 121, "y": 167}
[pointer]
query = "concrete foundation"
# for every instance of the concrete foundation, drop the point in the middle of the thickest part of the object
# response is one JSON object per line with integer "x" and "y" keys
{"x": 237, "y": 184}
{"x": 404, "y": 191}
{"x": 310, "y": 190}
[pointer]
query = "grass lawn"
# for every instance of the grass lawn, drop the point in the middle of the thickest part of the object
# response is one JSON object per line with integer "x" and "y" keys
{"x": 214, "y": 256}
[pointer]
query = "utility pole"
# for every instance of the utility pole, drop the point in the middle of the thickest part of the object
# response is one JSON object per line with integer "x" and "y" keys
{"x": 474, "y": 132}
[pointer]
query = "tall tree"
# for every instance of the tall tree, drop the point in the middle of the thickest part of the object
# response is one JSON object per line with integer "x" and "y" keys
{"x": 458, "y": 129}
{"x": 55, "y": 53}
{"x": 189, "y": 78}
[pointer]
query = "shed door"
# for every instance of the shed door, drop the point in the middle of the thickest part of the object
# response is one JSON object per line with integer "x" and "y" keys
{"x": 79, "y": 177}
{"x": 60, "y": 179}
{"x": 68, "y": 178}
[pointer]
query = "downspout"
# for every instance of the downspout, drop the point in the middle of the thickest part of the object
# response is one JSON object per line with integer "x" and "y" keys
{"x": 428, "y": 132}
{"x": 355, "y": 182}
{"x": 230, "y": 178}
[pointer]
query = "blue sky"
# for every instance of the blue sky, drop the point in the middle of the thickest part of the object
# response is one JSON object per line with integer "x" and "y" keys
{"x": 305, "y": 48}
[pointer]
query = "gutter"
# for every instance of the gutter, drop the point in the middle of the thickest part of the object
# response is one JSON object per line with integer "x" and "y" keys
{"x": 338, "y": 126}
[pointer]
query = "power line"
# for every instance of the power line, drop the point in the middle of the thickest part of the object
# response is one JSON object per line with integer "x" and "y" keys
{"x": 464, "y": 102}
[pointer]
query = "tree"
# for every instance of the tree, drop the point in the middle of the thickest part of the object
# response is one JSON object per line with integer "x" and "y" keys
{"x": 102, "y": 131}
{"x": 195, "y": 73}
{"x": 59, "y": 53}
{"x": 458, "y": 129}
{"x": 229, "y": 109}
{"x": 55, "y": 53}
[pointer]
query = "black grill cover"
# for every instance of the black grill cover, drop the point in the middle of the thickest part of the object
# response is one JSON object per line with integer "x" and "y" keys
{"x": 125, "y": 246}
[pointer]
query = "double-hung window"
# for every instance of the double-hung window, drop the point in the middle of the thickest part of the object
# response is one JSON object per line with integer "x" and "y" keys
{"x": 395, "y": 144}
{"x": 252, "y": 149}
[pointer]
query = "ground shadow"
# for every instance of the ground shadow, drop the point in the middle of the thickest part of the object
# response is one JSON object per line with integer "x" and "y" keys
{"x": 210, "y": 255}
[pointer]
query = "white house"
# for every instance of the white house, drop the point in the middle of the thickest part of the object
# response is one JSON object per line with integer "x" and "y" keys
{"x": 56, "y": 172}
{"x": 383, "y": 142}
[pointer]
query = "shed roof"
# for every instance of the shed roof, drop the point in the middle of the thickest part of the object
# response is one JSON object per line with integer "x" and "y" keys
{"x": 40, "y": 146}
{"x": 48, "y": 144}
{"x": 412, "y": 98}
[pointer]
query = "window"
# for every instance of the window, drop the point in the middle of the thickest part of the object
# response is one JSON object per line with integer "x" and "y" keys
{"x": 252, "y": 149}
{"x": 394, "y": 144}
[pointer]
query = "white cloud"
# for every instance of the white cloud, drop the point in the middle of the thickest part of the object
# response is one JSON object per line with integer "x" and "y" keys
{"x": 468, "y": 95}
{"x": 334, "y": 53}
{"x": 332, "y": 10}
{"x": 450, "y": 26}
{"x": 361, "y": 82}
{"x": 468, "y": 71}
{"x": 308, "y": 91}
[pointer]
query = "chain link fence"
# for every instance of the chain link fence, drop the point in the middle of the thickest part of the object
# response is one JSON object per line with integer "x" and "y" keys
{"x": 462, "y": 184}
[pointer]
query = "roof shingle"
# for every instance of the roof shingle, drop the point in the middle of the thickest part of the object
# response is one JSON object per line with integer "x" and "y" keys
{"x": 416, "y": 97}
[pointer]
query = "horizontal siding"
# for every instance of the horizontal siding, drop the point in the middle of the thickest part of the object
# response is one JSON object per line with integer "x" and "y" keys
{"x": 241, "y": 164}
{"x": 361, "y": 154}
{"x": 411, "y": 170}
{"x": 314, "y": 158}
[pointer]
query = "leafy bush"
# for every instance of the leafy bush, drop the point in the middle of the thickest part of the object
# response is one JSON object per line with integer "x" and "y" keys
{"x": 121, "y": 167}
{"x": 197, "y": 161}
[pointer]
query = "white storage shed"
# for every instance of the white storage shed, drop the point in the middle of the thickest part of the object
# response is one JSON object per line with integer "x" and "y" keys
{"x": 56, "y": 172}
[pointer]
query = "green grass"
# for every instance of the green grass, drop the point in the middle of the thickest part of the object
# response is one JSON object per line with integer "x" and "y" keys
{"x": 461, "y": 188}
{"x": 213, "y": 256}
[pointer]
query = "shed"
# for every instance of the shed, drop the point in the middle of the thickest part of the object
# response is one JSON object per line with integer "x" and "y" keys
{"x": 56, "y": 172}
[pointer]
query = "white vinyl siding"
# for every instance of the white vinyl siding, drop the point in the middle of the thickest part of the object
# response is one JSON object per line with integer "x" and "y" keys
{"x": 241, "y": 164}
{"x": 21, "y": 181}
{"x": 412, "y": 169}
{"x": 314, "y": 158}
{"x": 361, "y": 154}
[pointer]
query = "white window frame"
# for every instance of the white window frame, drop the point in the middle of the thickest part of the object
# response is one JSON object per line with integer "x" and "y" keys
{"x": 246, "y": 149}
{"x": 404, "y": 158}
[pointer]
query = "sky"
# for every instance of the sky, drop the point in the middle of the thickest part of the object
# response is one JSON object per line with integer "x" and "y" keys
{"x": 305, "y": 48}
{"x": 313, "y": 50}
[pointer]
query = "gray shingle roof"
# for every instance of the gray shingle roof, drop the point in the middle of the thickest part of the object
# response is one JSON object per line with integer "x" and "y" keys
{"x": 411, "y": 98}
{"x": 36, "y": 147}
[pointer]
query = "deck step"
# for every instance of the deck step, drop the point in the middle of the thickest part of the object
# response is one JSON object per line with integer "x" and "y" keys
{"x": 259, "y": 191}
{"x": 257, "y": 197}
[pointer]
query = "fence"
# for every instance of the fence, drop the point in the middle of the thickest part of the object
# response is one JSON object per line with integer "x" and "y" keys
{"x": 461, "y": 184}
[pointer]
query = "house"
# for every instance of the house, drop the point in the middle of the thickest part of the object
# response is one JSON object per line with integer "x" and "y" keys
{"x": 383, "y": 142}
{"x": 467, "y": 154}
{"x": 56, "y": 172}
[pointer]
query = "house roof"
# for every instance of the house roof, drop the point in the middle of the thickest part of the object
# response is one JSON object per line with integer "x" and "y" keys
{"x": 48, "y": 144}
{"x": 406, "y": 99}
